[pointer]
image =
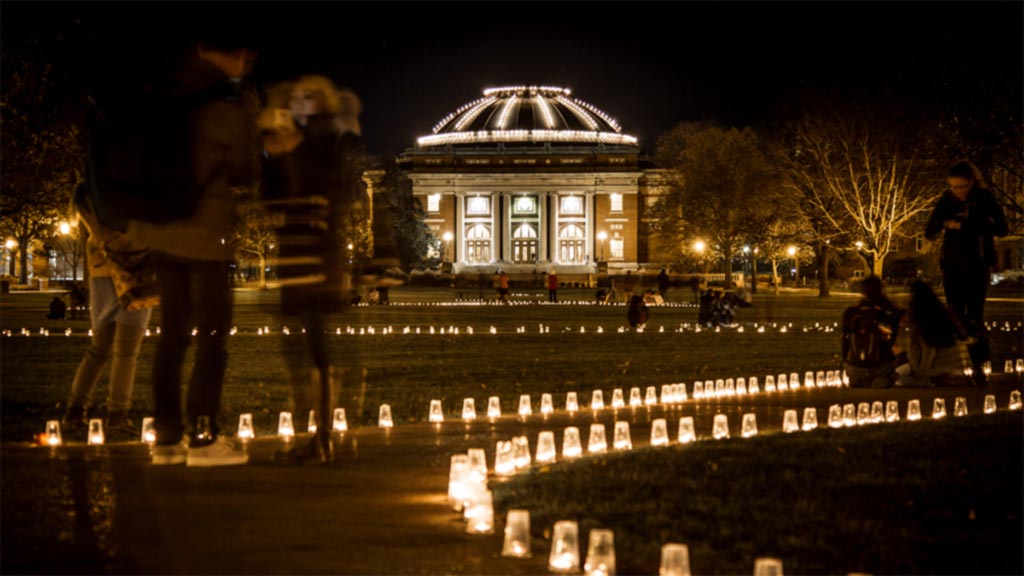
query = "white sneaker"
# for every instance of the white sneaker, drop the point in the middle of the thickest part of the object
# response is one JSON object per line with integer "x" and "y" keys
{"x": 170, "y": 454}
{"x": 221, "y": 453}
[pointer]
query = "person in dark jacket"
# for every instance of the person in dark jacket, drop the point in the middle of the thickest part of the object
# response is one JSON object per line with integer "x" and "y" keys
{"x": 638, "y": 313}
{"x": 57, "y": 309}
{"x": 870, "y": 329}
{"x": 193, "y": 257}
{"x": 968, "y": 217}
{"x": 664, "y": 282}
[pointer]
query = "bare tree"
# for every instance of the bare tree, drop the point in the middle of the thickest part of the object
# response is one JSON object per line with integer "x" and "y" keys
{"x": 862, "y": 178}
{"x": 255, "y": 233}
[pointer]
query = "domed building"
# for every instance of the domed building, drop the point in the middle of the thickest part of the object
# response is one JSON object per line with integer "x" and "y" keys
{"x": 531, "y": 178}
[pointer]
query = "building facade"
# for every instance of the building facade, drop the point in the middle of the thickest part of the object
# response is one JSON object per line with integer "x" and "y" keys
{"x": 528, "y": 178}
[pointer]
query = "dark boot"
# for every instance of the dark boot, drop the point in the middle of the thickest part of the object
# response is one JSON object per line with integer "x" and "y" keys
{"x": 75, "y": 418}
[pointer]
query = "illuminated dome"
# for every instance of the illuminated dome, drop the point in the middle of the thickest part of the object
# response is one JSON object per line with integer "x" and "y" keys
{"x": 527, "y": 114}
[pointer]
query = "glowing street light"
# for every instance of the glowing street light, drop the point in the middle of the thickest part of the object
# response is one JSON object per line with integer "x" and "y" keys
{"x": 64, "y": 228}
{"x": 699, "y": 246}
{"x": 447, "y": 244}
{"x": 791, "y": 251}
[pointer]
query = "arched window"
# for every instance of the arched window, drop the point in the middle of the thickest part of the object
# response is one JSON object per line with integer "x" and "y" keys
{"x": 571, "y": 244}
{"x": 478, "y": 244}
{"x": 524, "y": 243}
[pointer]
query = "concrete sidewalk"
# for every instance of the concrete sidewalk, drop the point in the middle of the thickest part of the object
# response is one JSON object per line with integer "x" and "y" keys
{"x": 380, "y": 508}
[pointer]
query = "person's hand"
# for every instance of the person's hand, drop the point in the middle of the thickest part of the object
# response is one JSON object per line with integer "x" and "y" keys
{"x": 951, "y": 224}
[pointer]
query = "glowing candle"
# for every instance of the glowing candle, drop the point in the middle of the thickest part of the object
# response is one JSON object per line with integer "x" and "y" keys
{"x": 939, "y": 408}
{"x": 340, "y": 423}
{"x": 245, "y": 427}
{"x": 597, "y": 442}
{"x": 990, "y": 404}
{"x": 524, "y": 405}
{"x": 621, "y": 439}
{"x": 720, "y": 428}
{"x": 914, "y": 410}
{"x": 493, "y": 407}
{"x": 95, "y": 435}
{"x": 546, "y": 405}
{"x": 810, "y": 419}
{"x": 789, "y": 421}
{"x": 571, "y": 402}
{"x": 285, "y": 429}
{"x": 892, "y": 411}
{"x": 687, "y": 431}
{"x": 617, "y": 400}
{"x": 545, "y": 447}
{"x": 53, "y": 437}
{"x": 435, "y": 414}
{"x": 468, "y": 409}
{"x": 565, "y": 552}
{"x": 384, "y": 417}
{"x": 571, "y": 445}
{"x": 600, "y": 554}
{"x": 597, "y": 400}
{"x": 148, "y": 435}
{"x": 517, "y": 534}
{"x": 748, "y": 427}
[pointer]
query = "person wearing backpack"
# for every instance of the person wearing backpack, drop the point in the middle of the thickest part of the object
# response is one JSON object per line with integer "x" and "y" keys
{"x": 936, "y": 343}
{"x": 191, "y": 250}
{"x": 968, "y": 217}
{"x": 870, "y": 329}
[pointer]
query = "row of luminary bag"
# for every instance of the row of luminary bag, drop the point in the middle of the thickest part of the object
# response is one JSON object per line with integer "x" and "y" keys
{"x": 838, "y": 416}
{"x": 467, "y": 486}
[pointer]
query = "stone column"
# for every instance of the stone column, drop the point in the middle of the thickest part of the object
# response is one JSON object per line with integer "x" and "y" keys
{"x": 503, "y": 217}
{"x": 542, "y": 228}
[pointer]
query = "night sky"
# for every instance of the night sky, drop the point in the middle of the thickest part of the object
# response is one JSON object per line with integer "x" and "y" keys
{"x": 649, "y": 66}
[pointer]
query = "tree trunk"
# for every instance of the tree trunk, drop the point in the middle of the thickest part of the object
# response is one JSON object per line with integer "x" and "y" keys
{"x": 821, "y": 251}
{"x": 263, "y": 271}
{"x": 876, "y": 266}
{"x": 775, "y": 274}
{"x": 753, "y": 273}
{"x": 728, "y": 265}
{"x": 23, "y": 256}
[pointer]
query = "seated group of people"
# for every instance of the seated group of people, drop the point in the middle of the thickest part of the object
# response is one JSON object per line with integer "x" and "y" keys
{"x": 924, "y": 345}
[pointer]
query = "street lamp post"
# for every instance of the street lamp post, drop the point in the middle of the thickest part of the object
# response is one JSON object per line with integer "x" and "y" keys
{"x": 602, "y": 236}
{"x": 11, "y": 244}
{"x": 791, "y": 251}
{"x": 447, "y": 245}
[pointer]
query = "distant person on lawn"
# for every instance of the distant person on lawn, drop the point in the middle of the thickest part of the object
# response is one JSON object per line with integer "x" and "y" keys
{"x": 58, "y": 309}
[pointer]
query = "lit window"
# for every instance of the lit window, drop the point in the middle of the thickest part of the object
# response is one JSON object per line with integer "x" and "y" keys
{"x": 525, "y": 205}
{"x": 572, "y": 205}
{"x": 616, "y": 202}
{"x": 616, "y": 246}
{"x": 479, "y": 205}
{"x": 434, "y": 203}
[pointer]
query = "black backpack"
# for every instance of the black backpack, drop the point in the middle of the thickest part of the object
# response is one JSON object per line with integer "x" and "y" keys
{"x": 868, "y": 337}
{"x": 140, "y": 163}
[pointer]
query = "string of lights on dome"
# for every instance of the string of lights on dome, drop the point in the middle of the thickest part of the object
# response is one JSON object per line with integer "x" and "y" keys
{"x": 531, "y": 89}
{"x": 580, "y": 113}
{"x": 470, "y": 116}
{"x": 551, "y": 106}
{"x": 542, "y": 103}
{"x": 503, "y": 117}
{"x": 484, "y": 136}
{"x": 479, "y": 102}
{"x": 611, "y": 121}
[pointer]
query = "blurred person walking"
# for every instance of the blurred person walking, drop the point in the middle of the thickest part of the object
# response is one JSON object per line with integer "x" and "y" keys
{"x": 192, "y": 254}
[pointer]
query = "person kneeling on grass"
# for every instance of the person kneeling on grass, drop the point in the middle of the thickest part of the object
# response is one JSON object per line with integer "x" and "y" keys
{"x": 937, "y": 352}
{"x": 869, "y": 332}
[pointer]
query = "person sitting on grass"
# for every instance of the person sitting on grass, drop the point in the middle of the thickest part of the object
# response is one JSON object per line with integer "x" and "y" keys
{"x": 58, "y": 309}
{"x": 638, "y": 312}
{"x": 869, "y": 332}
{"x": 937, "y": 353}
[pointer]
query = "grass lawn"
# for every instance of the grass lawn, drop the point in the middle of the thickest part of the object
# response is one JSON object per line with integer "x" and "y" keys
{"x": 930, "y": 497}
{"x": 408, "y": 370}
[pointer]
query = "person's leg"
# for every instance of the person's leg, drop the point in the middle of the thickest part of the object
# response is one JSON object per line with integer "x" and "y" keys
{"x": 175, "y": 337}
{"x": 976, "y": 284}
{"x": 131, "y": 328}
{"x": 90, "y": 367}
{"x": 953, "y": 286}
{"x": 103, "y": 312}
{"x": 213, "y": 300}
